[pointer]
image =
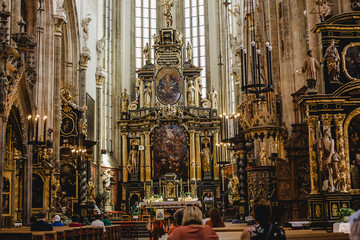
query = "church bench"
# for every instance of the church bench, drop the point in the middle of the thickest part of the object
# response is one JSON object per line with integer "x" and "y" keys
{"x": 16, "y": 235}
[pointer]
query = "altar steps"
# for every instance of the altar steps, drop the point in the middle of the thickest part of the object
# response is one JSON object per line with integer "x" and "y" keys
{"x": 140, "y": 225}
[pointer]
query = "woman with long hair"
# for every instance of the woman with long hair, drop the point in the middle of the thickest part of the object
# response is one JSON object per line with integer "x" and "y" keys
{"x": 215, "y": 218}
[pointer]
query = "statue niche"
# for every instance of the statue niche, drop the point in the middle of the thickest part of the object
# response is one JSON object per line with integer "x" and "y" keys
{"x": 170, "y": 151}
{"x": 354, "y": 152}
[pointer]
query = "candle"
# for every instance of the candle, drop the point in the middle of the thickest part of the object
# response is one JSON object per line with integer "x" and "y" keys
{"x": 45, "y": 129}
{"x": 245, "y": 69}
{"x": 29, "y": 125}
{"x": 37, "y": 128}
{"x": 258, "y": 67}
{"x": 253, "y": 53}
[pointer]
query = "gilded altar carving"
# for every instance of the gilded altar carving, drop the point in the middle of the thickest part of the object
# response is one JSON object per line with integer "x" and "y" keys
{"x": 90, "y": 190}
{"x": 167, "y": 4}
{"x": 206, "y": 156}
{"x": 133, "y": 159}
{"x": 311, "y": 121}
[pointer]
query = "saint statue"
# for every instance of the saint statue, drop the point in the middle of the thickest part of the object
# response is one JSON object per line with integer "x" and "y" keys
{"x": 133, "y": 160}
{"x": 167, "y": 11}
{"x": 191, "y": 93}
{"x": 180, "y": 39}
{"x": 213, "y": 98}
{"x": 311, "y": 67}
{"x": 90, "y": 190}
{"x": 85, "y": 27}
{"x": 100, "y": 45}
{"x": 189, "y": 52}
{"x": 330, "y": 160}
{"x": 332, "y": 59}
{"x": 146, "y": 52}
{"x": 147, "y": 95}
{"x": 206, "y": 158}
{"x": 124, "y": 101}
{"x": 325, "y": 9}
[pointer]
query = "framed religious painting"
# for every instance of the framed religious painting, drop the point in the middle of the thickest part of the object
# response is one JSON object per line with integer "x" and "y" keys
{"x": 168, "y": 86}
{"x": 351, "y": 61}
{"x": 159, "y": 214}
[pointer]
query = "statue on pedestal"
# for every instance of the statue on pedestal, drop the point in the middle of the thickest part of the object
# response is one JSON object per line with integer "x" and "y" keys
{"x": 90, "y": 190}
{"x": 167, "y": 11}
{"x": 191, "y": 93}
{"x": 325, "y": 9}
{"x": 332, "y": 59}
{"x": 85, "y": 27}
{"x": 206, "y": 158}
{"x": 124, "y": 101}
{"x": 133, "y": 159}
{"x": 147, "y": 95}
{"x": 146, "y": 52}
{"x": 311, "y": 67}
{"x": 213, "y": 98}
{"x": 189, "y": 52}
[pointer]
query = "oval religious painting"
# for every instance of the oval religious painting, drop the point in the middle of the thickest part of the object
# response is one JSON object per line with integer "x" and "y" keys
{"x": 170, "y": 151}
{"x": 168, "y": 86}
{"x": 351, "y": 61}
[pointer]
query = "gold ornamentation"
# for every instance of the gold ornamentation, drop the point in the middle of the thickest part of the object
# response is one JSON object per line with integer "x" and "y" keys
{"x": 90, "y": 190}
{"x": 311, "y": 121}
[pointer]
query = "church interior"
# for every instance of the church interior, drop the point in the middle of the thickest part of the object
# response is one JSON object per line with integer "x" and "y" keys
{"x": 134, "y": 109}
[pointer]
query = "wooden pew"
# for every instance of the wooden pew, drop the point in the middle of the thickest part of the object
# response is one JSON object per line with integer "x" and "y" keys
{"x": 16, "y": 236}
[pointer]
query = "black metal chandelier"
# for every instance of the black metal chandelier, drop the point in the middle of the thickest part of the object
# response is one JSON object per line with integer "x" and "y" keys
{"x": 257, "y": 83}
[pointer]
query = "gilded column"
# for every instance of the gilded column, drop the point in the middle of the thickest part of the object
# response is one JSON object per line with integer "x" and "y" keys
{"x": 142, "y": 159}
{"x": 215, "y": 155}
{"x": 147, "y": 157}
{"x": 124, "y": 156}
{"x": 198, "y": 157}
{"x": 314, "y": 177}
{"x": 192, "y": 155}
{"x": 196, "y": 84}
{"x": 340, "y": 148}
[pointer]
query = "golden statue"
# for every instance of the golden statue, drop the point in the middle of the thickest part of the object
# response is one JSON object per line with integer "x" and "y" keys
{"x": 90, "y": 190}
{"x": 56, "y": 185}
{"x": 124, "y": 101}
{"x": 167, "y": 11}
{"x": 133, "y": 160}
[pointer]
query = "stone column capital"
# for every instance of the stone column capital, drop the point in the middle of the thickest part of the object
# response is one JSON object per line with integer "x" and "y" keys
{"x": 60, "y": 20}
{"x": 339, "y": 119}
{"x": 84, "y": 58}
{"x": 326, "y": 119}
{"x": 311, "y": 120}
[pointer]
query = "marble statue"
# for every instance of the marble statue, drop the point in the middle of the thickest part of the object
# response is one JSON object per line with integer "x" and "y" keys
{"x": 133, "y": 160}
{"x": 90, "y": 190}
{"x": 189, "y": 52}
{"x": 329, "y": 161}
{"x": 100, "y": 45}
{"x": 124, "y": 101}
{"x": 156, "y": 38}
{"x": 213, "y": 98}
{"x": 146, "y": 52}
{"x": 85, "y": 27}
{"x": 332, "y": 59}
{"x": 168, "y": 4}
{"x": 180, "y": 39}
{"x": 311, "y": 67}
{"x": 147, "y": 95}
{"x": 191, "y": 93}
{"x": 206, "y": 157}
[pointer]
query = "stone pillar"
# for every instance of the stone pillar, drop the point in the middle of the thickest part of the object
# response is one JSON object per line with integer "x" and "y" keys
{"x": 192, "y": 155}
{"x": 84, "y": 58}
{"x": 2, "y": 149}
{"x": 141, "y": 92}
{"x": 314, "y": 177}
{"x": 147, "y": 157}
{"x": 60, "y": 20}
{"x": 196, "y": 85}
{"x": 124, "y": 156}
{"x": 198, "y": 157}
{"x": 99, "y": 133}
{"x": 142, "y": 159}
{"x": 215, "y": 155}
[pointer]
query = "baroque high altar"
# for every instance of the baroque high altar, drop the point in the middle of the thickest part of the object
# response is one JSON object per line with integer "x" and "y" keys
{"x": 169, "y": 131}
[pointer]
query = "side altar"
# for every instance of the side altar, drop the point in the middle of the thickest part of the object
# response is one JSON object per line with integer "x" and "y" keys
{"x": 170, "y": 130}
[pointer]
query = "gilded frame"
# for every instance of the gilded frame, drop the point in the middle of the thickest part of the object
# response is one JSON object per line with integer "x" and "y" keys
{"x": 343, "y": 55}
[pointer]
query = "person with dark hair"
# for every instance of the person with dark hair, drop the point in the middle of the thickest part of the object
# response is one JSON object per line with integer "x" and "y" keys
{"x": 105, "y": 220}
{"x": 97, "y": 223}
{"x": 33, "y": 219}
{"x": 41, "y": 224}
{"x": 263, "y": 230}
{"x": 178, "y": 220}
{"x": 215, "y": 218}
{"x": 75, "y": 221}
{"x": 192, "y": 227}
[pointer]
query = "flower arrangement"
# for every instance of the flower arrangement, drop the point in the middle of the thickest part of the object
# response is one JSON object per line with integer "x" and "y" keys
{"x": 344, "y": 214}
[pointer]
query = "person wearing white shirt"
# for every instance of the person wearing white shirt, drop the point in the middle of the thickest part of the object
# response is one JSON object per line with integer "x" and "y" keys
{"x": 98, "y": 223}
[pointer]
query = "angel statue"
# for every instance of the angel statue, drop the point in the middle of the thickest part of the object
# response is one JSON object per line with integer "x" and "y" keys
{"x": 167, "y": 11}
{"x": 146, "y": 52}
{"x": 90, "y": 190}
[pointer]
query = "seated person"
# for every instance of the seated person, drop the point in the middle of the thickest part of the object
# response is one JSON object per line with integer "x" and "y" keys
{"x": 75, "y": 222}
{"x": 215, "y": 219}
{"x": 41, "y": 224}
{"x": 178, "y": 220}
{"x": 97, "y": 223}
{"x": 263, "y": 229}
{"x": 157, "y": 229}
{"x": 106, "y": 221}
{"x": 236, "y": 219}
{"x": 57, "y": 221}
{"x": 192, "y": 228}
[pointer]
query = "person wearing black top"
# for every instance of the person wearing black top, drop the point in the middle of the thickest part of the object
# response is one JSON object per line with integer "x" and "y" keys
{"x": 263, "y": 230}
{"x": 41, "y": 224}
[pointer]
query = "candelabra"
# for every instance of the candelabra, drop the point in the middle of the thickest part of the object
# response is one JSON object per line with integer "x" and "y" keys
{"x": 33, "y": 131}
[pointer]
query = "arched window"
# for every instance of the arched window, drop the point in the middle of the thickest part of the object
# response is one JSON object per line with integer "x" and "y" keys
{"x": 195, "y": 34}
{"x": 145, "y": 28}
